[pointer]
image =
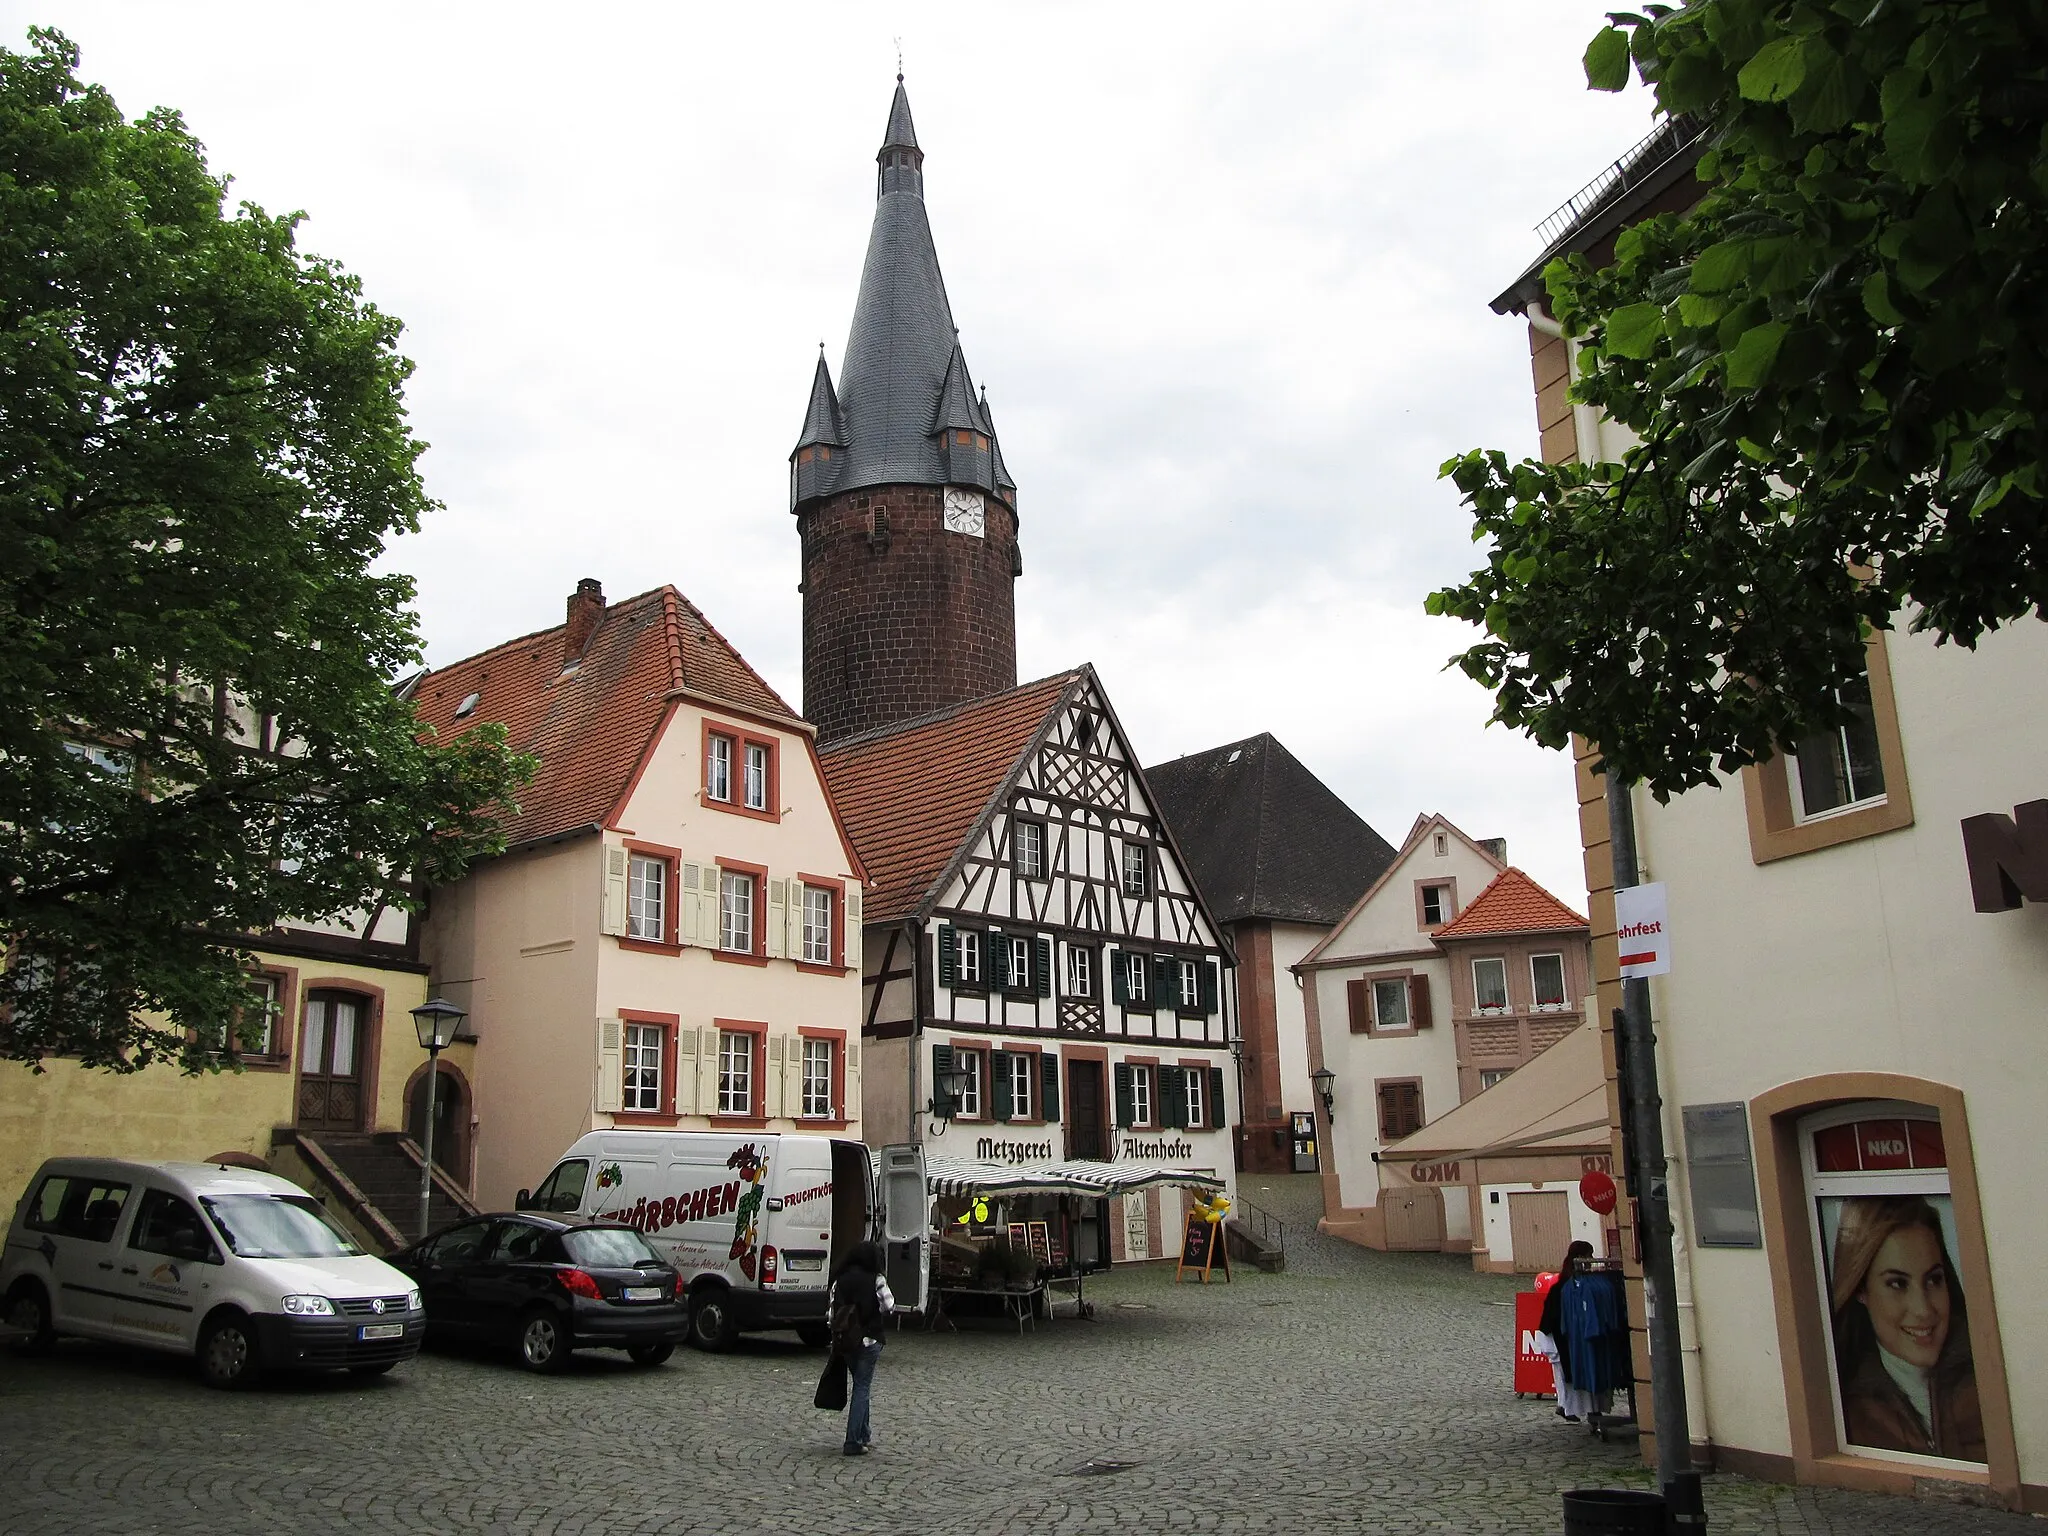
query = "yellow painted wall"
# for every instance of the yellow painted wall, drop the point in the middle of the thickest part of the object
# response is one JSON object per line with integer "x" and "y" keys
{"x": 160, "y": 1113}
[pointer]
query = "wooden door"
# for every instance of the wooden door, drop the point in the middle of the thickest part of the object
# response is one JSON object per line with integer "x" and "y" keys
{"x": 331, "y": 1062}
{"x": 1084, "y": 1109}
{"x": 1414, "y": 1218}
{"x": 1540, "y": 1228}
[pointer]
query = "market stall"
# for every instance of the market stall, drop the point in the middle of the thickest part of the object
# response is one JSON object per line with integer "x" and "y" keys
{"x": 1011, "y": 1229}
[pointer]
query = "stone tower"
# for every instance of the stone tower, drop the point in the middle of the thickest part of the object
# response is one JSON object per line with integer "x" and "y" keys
{"x": 907, "y": 516}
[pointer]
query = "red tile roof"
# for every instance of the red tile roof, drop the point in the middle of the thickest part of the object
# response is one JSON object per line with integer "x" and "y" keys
{"x": 910, "y": 794}
{"x": 591, "y": 728}
{"x": 1511, "y": 903}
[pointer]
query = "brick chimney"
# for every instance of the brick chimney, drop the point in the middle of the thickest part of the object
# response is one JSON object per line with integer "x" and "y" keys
{"x": 586, "y": 612}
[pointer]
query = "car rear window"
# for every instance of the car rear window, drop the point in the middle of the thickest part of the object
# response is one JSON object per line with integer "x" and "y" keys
{"x": 608, "y": 1248}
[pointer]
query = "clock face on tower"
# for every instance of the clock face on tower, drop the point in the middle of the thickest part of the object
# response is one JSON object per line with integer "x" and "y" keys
{"x": 963, "y": 511}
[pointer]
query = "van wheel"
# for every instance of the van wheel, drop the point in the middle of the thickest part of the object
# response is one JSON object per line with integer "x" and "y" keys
{"x": 543, "y": 1342}
{"x": 650, "y": 1355}
{"x": 712, "y": 1326}
{"x": 815, "y": 1335}
{"x": 228, "y": 1356}
{"x": 28, "y": 1309}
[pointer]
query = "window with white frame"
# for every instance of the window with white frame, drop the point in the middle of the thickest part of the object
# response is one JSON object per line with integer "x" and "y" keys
{"x": 735, "y": 1072}
{"x": 1839, "y": 768}
{"x": 642, "y": 1093}
{"x": 736, "y": 911}
{"x": 1030, "y": 849}
{"x": 818, "y": 1079}
{"x": 1135, "y": 868}
{"x": 1196, "y": 1079}
{"x": 1023, "y": 1072}
{"x": 258, "y": 1033}
{"x": 1019, "y": 979}
{"x": 1190, "y": 985}
{"x": 817, "y": 925}
{"x": 967, "y": 959}
{"x": 967, "y": 1105}
{"x": 1488, "y": 1076}
{"x": 1141, "y": 1096}
{"x": 718, "y": 768}
{"x": 1390, "y": 1003}
{"x": 1436, "y": 905}
{"x": 647, "y": 898}
{"x": 1490, "y": 985}
{"x": 1137, "y": 976}
{"x": 1546, "y": 980}
{"x": 756, "y": 777}
{"x": 1080, "y": 971}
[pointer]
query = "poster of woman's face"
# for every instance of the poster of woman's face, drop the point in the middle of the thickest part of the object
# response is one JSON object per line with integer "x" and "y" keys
{"x": 1901, "y": 1328}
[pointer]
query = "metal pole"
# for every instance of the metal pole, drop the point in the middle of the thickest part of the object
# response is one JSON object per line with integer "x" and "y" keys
{"x": 1649, "y": 1182}
{"x": 427, "y": 1163}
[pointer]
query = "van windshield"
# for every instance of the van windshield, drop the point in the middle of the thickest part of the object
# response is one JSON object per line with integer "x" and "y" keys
{"x": 277, "y": 1227}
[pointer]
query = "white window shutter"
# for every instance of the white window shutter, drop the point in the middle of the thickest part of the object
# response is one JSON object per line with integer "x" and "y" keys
{"x": 613, "y": 917}
{"x": 793, "y": 1078}
{"x": 794, "y": 923}
{"x": 611, "y": 1066}
{"x": 778, "y": 919}
{"x": 849, "y": 1093}
{"x": 853, "y": 922}
{"x": 772, "y": 1096}
{"x": 707, "y": 1070}
{"x": 686, "y": 1072}
{"x": 691, "y": 921}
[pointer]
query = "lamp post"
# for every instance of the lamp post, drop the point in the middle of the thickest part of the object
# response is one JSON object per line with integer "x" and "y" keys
{"x": 436, "y": 1020}
{"x": 947, "y": 1086}
{"x": 1326, "y": 1085}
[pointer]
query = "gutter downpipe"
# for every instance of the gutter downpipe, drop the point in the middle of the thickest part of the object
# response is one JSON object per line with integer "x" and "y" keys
{"x": 913, "y": 932}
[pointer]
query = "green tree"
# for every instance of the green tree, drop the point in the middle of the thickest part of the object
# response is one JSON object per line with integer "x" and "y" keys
{"x": 1834, "y": 364}
{"x": 203, "y": 447}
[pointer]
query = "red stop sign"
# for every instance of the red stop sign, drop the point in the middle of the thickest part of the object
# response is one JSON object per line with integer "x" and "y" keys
{"x": 1597, "y": 1190}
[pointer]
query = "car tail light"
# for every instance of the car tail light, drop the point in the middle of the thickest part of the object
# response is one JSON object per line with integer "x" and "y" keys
{"x": 767, "y": 1266}
{"x": 577, "y": 1283}
{"x": 679, "y": 1285}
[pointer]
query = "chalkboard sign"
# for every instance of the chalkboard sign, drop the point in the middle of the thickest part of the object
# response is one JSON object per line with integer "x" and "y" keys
{"x": 1202, "y": 1248}
{"x": 1041, "y": 1242}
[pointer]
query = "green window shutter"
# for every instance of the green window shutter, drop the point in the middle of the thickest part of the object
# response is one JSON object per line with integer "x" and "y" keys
{"x": 1173, "y": 1099}
{"x": 1126, "y": 1111}
{"x": 1217, "y": 1118}
{"x": 1210, "y": 986}
{"x": 995, "y": 962}
{"x": 942, "y": 1062}
{"x": 999, "y": 1087}
{"x": 1049, "y": 1088}
{"x": 1119, "y": 977}
{"x": 1041, "y": 978}
{"x": 1165, "y": 982}
{"x": 946, "y": 954}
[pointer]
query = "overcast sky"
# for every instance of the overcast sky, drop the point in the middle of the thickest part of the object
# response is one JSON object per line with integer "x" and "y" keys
{"x": 1224, "y": 271}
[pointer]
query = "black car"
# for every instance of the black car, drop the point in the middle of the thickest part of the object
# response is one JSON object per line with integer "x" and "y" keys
{"x": 548, "y": 1285}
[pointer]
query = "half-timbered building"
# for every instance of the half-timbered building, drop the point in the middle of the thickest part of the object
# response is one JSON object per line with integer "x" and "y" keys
{"x": 1041, "y": 979}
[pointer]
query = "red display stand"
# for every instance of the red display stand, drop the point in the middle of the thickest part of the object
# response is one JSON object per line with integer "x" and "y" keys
{"x": 1532, "y": 1370}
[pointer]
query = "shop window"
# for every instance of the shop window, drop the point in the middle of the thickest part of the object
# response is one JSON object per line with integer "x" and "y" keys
{"x": 1546, "y": 980}
{"x": 1490, "y": 986}
{"x": 1884, "y": 1228}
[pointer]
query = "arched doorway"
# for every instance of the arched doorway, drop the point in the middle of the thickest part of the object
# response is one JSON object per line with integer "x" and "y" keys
{"x": 451, "y": 1120}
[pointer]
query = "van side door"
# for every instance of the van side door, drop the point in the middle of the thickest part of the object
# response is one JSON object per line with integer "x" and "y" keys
{"x": 163, "y": 1273}
{"x": 83, "y": 1264}
{"x": 906, "y": 1225}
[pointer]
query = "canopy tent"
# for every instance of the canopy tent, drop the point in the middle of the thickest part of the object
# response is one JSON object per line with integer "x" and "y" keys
{"x": 1555, "y": 1103}
{"x": 954, "y": 1176}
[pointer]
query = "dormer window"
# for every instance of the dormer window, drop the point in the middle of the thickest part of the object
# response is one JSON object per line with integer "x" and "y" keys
{"x": 468, "y": 705}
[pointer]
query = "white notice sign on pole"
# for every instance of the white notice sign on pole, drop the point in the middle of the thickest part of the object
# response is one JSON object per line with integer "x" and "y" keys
{"x": 1643, "y": 930}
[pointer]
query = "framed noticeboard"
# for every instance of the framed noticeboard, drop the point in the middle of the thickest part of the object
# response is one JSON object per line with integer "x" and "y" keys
{"x": 1040, "y": 1240}
{"x": 1017, "y": 1235}
{"x": 1721, "y": 1175}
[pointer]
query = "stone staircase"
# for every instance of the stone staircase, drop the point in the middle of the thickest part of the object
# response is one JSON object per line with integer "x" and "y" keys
{"x": 374, "y": 1177}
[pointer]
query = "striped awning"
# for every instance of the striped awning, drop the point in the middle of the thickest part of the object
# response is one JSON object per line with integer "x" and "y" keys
{"x": 963, "y": 1176}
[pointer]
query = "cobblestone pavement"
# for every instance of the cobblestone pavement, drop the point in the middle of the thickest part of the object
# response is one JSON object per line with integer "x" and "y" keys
{"x": 1359, "y": 1392}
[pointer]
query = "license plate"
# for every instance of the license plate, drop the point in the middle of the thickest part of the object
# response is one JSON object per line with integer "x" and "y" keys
{"x": 381, "y": 1331}
{"x": 642, "y": 1293}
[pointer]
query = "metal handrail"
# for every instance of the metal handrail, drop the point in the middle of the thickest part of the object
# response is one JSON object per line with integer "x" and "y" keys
{"x": 1657, "y": 148}
{"x": 1270, "y": 1230}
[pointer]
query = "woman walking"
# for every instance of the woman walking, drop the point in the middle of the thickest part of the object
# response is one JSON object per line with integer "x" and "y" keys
{"x": 860, "y": 1300}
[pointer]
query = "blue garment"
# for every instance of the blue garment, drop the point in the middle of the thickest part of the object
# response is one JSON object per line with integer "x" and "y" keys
{"x": 862, "y": 1363}
{"x": 1595, "y": 1325}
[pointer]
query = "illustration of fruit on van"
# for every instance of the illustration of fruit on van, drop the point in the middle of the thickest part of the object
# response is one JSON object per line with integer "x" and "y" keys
{"x": 610, "y": 1176}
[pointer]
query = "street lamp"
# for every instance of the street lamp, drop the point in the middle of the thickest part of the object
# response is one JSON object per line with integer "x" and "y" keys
{"x": 1326, "y": 1083}
{"x": 437, "y": 1020}
{"x": 947, "y": 1087}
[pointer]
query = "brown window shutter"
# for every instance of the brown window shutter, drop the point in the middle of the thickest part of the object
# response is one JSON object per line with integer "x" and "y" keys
{"x": 1361, "y": 1006}
{"x": 1418, "y": 1002}
{"x": 1389, "y": 1095}
{"x": 1411, "y": 1108}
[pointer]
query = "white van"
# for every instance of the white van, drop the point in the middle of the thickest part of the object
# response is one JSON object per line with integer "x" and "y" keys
{"x": 237, "y": 1267}
{"x": 755, "y": 1222}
